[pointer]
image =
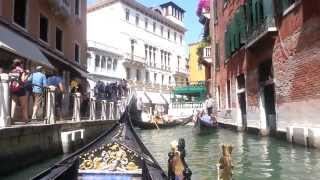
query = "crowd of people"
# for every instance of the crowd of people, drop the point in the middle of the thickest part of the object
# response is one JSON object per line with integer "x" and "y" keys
{"x": 24, "y": 84}
{"x": 111, "y": 91}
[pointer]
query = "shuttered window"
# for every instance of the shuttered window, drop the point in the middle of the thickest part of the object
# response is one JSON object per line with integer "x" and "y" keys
{"x": 217, "y": 56}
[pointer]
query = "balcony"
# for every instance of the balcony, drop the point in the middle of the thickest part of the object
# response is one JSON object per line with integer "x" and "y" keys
{"x": 261, "y": 33}
{"x": 206, "y": 56}
{"x": 181, "y": 72}
{"x": 60, "y": 7}
{"x": 133, "y": 60}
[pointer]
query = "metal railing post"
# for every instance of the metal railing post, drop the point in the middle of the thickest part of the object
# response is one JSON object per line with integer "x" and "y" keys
{"x": 76, "y": 107}
{"x": 50, "y": 106}
{"x": 104, "y": 110}
{"x": 92, "y": 115}
{"x": 111, "y": 115}
{"x": 5, "y": 119}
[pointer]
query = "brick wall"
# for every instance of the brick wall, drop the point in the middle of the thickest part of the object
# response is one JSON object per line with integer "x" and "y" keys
{"x": 295, "y": 55}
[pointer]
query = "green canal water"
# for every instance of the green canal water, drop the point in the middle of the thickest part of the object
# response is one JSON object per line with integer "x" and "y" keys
{"x": 254, "y": 158}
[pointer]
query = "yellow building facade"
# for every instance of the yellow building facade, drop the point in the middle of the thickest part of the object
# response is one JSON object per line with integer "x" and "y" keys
{"x": 196, "y": 71}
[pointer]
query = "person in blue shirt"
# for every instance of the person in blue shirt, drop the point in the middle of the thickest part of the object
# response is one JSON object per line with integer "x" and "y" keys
{"x": 56, "y": 80}
{"x": 39, "y": 81}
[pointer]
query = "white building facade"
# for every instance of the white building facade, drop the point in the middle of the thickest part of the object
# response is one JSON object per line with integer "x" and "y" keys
{"x": 147, "y": 43}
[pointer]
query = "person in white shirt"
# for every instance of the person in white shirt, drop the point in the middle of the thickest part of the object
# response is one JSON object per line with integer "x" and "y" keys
{"x": 209, "y": 104}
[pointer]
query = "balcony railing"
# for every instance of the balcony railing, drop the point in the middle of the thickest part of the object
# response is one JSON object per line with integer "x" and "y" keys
{"x": 135, "y": 59}
{"x": 61, "y": 7}
{"x": 255, "y": 34}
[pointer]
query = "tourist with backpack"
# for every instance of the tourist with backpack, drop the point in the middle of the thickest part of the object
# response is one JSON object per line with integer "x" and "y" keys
{"x": 39, "y": 82}
{"x": 17, "y": 89}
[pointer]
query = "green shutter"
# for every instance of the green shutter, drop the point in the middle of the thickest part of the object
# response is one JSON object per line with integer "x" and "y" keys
{"x": 242, "y": 24}
{"x": 232, "y": 32}
{"x": 249, "y": 15}
{"x": 254, "y": 13}
{"x": 268, "y": 8}
{"x": 227, "y": 42}
{"x": 236, "y": 31}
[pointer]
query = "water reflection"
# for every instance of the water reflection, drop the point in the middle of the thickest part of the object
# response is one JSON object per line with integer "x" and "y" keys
{"x": 254, "y": 158}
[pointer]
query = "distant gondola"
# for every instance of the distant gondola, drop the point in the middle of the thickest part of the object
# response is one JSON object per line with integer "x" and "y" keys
{"x": 170, "y": 124}
{"x": 202, "y": 125}
{"x": 117, "y": 154}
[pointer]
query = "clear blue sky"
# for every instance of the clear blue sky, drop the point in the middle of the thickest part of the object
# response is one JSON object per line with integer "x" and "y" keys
{"x": 190, "y": 20}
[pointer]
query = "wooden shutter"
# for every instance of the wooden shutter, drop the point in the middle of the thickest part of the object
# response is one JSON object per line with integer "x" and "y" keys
{"x": 242, "y": 21}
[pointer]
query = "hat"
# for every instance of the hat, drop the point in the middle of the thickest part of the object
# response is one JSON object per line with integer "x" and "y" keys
{"x": 39, "y": 68}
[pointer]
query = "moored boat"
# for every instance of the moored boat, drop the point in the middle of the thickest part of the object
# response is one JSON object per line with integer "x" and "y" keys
{"x": 117, "y": 154}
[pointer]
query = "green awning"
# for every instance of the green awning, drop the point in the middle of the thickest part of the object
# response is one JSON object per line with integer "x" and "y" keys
{"x": 191, "y": 90}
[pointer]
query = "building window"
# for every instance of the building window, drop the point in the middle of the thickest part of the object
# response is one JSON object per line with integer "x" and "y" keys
{"x": 154, "y": 55}
{"x": 169, "y": 34}
{"x": 146, "y": 22}
{"x": 109, "y": 63}
{"x": 97, "y": 62}
{"x": 137, "y": 19}
{"x": 175, "y": 36}
{"x": 161, "y": 57}
{"x": 154, "y": 26}
{"x": 218, "y": 97}
{"x": 169, "y": 80}
{"x": 180, "y": 39}
{"x": 199, "y": 67}
{"x": 128, "y": 73}
{"x": 217, "y": 57}
{"x": 20, "y": 12}
{"x": 44, "y": 28}
{"x": 155, "y": 78}
{"x": 103, "y": 63}
{"x": 229, "y": 94}
{"x": 161, "y": 30}
{"x": 138, "y": 75}
{"x": 162, "y": 79}
{"x": 127, "y": 14}
{"x": 59, "y": 39}
{"x": 77, "y": 8}
{"x": 115, "y": 64}
{"x": 77, "y": 53}
{"x": 147, "y": 76}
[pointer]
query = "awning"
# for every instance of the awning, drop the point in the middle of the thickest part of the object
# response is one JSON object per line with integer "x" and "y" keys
{"x": 166, "y": 97}
{"x": 193, "y": 89}
{"x": 141, "y": 94}
{"x": 156, "y": 98}
{"x": 22, "y": 47}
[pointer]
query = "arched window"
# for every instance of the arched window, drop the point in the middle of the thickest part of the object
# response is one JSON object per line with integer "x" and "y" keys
{"x": 115, "y": 64}
{"x": 109, "y": 63}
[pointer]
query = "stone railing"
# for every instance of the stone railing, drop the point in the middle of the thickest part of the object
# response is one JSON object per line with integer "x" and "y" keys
{"x": 267, "y": 25}
{"x": 98, "y": 109}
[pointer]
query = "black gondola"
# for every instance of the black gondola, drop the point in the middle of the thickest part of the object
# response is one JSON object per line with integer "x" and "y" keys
{"x": 117, "y": 153}
{"x": 170, "y": 124}
{"x": 206, "y": 126}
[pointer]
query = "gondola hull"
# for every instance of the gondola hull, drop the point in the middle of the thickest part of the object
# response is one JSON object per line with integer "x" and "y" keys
{"x": 204, "y": 126}
{"x": 173, "y": 123}
{"x": 116, "y": 154}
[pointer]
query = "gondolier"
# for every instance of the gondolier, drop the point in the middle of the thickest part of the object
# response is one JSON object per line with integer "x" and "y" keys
{"x": 209, "y": 104}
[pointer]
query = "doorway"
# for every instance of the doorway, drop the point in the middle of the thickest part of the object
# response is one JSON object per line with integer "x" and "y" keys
{"x": 242, "y": 100}
{"x": 268, "y": 94}
{"x": 270, "y": 109}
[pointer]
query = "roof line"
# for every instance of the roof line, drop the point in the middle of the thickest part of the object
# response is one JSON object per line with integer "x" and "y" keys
{"x": 140, "y": 7}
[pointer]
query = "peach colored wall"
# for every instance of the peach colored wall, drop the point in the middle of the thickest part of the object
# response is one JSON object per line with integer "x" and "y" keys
{"x": 74, "y": 28}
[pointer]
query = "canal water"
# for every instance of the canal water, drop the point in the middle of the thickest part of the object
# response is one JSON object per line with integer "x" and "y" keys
{"x": 254, "y": 158}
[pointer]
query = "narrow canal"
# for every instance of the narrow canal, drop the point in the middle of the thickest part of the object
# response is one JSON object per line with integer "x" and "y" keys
{"x": 254, "y": 157}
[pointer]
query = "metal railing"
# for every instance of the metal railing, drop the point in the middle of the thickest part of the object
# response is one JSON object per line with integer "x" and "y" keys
{"x": 263, "y": 27}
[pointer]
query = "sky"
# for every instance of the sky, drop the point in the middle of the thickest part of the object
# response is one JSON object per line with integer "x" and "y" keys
{"x": 191, "y": 20}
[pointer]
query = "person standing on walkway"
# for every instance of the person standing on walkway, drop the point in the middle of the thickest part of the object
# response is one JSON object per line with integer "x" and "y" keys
{"x": 209, "y": 104}
{"x": 139, "y": 107}
{"x": 56, "y": 80}
{"x": 39, "y": 81}
{"x": 17, "y": 89}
